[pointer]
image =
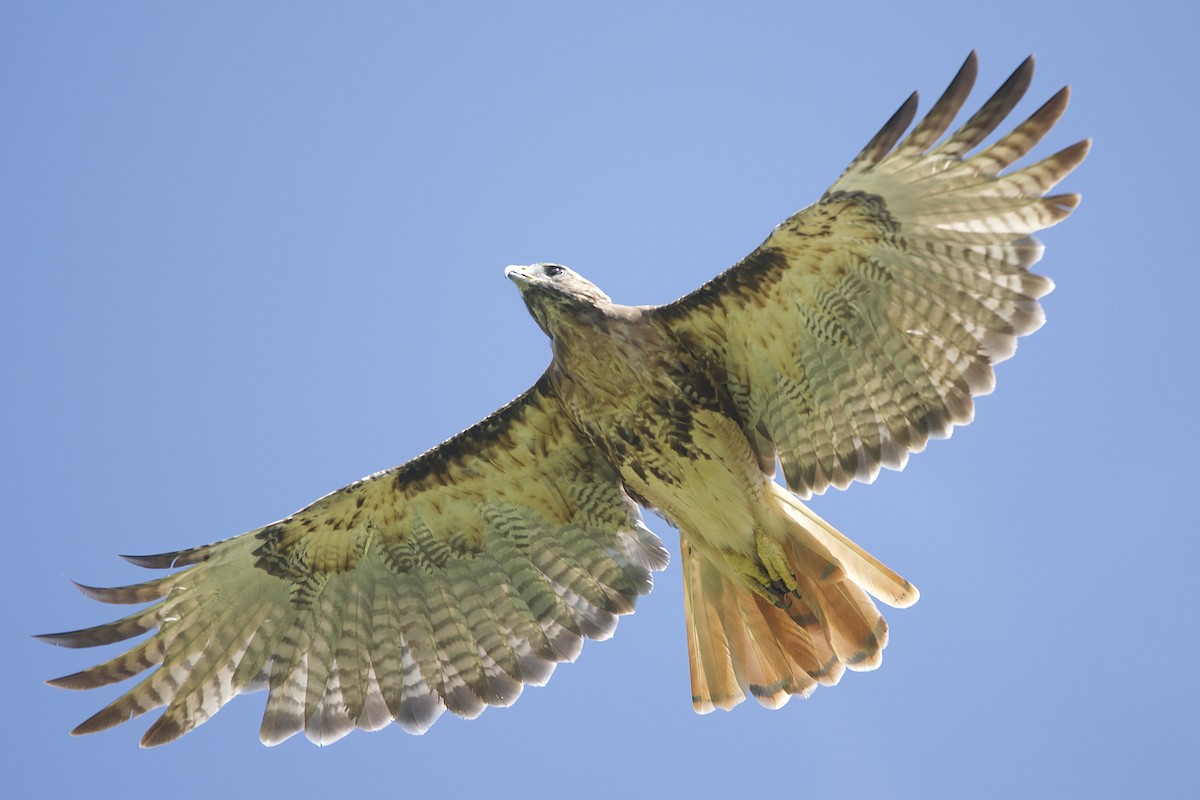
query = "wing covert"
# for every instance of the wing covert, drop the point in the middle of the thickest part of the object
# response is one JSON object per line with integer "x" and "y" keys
{"x": 866, "y": 324}
{"x": 446, "y": 583}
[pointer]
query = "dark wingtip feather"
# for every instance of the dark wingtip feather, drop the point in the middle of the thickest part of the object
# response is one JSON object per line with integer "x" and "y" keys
{"x": 115, "y": 631}
{"x": 179, "y": 558}
{"x": 60, "y": 639}
{"x": 1021, "y": 77}
{"x": 127, "y": 595}
{"x": 935, "y": 123}
{"x": 1023, "y": 138}
{"x": 993, "y": 112}
{"x": 134, "y": 662}
{"x": 1061, "y": 205}
{"x": 108, "y": 717}
{"x": 85, "y": 679}
{"x": 1073, "y": 155}
{"x": 883, "y": 141}
{"x": 165, "y": 729}
{"x": 1053, "y": 108}
{"x": 160, "y": 561}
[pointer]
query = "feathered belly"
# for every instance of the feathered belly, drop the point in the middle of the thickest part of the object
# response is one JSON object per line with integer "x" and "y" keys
{"x": 662, "y": 425}
{"x": 698, "y": 471}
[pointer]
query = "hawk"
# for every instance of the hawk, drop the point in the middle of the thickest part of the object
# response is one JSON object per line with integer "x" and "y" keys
{"x": 860, "y": 329}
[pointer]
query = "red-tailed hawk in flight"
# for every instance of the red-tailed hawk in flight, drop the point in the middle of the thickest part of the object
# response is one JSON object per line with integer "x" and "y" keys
{"x": 861, "y": 328}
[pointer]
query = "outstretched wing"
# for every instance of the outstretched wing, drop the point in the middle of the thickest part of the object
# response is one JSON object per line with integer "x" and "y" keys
{"x": 865, "y": 324}
{"x": 448, "y": 582}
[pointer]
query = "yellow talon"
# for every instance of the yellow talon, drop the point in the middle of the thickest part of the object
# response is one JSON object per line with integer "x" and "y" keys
{"x": 753, "y": 576}
{"x": 769, "y": 575}
{"x": 776, "y": 563}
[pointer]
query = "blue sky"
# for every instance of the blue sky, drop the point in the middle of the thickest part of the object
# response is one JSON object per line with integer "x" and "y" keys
{"x": 251, "y": 252}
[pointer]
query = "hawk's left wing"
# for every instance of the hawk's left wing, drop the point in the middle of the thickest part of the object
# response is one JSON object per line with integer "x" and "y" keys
{"x": 448, "y": 582}
{"x": 866, "y": 324}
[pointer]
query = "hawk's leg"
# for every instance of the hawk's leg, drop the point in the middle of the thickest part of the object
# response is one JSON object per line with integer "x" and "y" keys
{"x": 769, "y": 575}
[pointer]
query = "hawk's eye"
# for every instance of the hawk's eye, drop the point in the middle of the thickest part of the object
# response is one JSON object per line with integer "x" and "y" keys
{"x": 552, "y": 271}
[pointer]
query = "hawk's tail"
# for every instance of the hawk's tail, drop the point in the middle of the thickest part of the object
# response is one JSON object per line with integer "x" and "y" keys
{"x": 739, "y": 641}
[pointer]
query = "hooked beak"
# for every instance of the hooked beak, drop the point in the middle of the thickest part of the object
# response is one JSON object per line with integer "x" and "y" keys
{"x": 517, "y": 274}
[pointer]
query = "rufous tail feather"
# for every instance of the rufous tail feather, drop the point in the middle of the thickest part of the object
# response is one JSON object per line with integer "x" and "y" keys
{"x": 739, "y": 643}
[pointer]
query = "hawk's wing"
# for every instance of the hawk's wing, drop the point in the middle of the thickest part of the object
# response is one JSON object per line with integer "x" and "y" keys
{"x": 865, "y": 324}
{"x": 448, "y": 582}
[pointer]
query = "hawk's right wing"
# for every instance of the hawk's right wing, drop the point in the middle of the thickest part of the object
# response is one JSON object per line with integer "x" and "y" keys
{"x": 447, "y": 582}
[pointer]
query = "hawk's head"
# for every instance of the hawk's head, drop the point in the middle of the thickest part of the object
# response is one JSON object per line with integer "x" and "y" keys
{"x": 555, "y": 294}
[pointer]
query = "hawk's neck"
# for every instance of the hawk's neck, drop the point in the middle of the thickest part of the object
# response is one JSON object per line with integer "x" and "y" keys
{"x": 604, "y": 346}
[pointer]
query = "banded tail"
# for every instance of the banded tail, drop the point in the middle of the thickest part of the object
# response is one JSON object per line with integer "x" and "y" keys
{"x": 739, "y": 642}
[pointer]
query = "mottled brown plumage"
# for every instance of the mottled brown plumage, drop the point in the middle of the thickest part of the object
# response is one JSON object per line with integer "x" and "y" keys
{"x": 862, "y": 327}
